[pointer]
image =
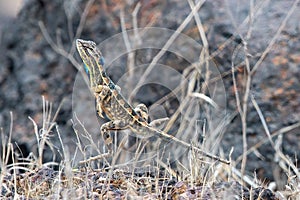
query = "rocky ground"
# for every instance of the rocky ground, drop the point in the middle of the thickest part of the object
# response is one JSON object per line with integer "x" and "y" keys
{"x": 30, "y": 67}
{"x": 124, "y": 184}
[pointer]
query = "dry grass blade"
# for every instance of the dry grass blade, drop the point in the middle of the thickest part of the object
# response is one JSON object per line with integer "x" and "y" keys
{"x": 284, "y": 130}
{"x": 205, "y": 98}
{"x": 7, "y": 151}
{"x": 43, "y": 134}
{"x": 262, "y": 119}
{"x": 199, "y": 25}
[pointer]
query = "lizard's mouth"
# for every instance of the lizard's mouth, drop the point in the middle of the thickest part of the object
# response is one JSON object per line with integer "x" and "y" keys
{"x": 85, "y": 43}
{"x": 83, "y": 47}
{"x": 79, "y": 42}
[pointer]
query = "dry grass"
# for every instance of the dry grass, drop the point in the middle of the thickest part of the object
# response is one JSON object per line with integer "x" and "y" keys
{"x": 29, "y": 178}
{"x": 192, "y": 176}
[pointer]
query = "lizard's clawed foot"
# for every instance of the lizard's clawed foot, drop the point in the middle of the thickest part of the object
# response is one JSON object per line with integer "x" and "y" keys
{"x": 142, "y": 111}
{"x": 159, "y": 123}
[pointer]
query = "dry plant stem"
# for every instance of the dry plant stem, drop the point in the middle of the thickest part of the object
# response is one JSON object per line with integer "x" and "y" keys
{"x": 169, "y": 169}
{"x": 66, "y": 154}
{"x": 36, "y": 132}
{"x": 7, "y": 150}
{"x": 10, "y": 134}
{"x": 277, "y": 34}
{"x": 258, "y": 7}
{"x": 14, "y": 169}
{"x": 139, "y": 151}
{"x": 199, "y": 24}
{"x": 48, "y": 124}
{"x": 69, "y": 19}
{"x": 182, "y": 84}
{"x": 81, "y": 24}
{"x": 277, "y": 149}
{"x": 204, "y": 55}
{"x": 88, "y": 136}
{"x": 242, "y": 110}
{"x": 245, "y": 110}
{"x": 58, "y": 48}
{"x": 276, "y": 133}
{"x": 289, "y": 163}
{"x": 9, "y": 140}
{"x": 262, "y": 119}
{"x": 93, "y": 158}
{"x": 131, "y": 54}
{"x": 172, "y": 120}
{"x": 176, "y": 114}
{"x": 78, "y": 144}
{"x": 220, "y": 130}
{"x": 165, "y": 48}
{"x": 244, "y": 178}
{"x": 135, "y": 23}
{"x": 248, "y": 81}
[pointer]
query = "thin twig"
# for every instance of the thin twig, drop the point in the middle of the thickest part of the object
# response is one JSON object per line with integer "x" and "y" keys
{"x": 262, "y": 119}
{"x": 277, "y": 34}
{"x": 131, "y": 55}
{"x": 199, "y": 25}
{"x": 81, "y": 23}
{"x": 276, "y": 133}
{"x": 135, "y": 23}
{"x": 165, "y": 48}
{"x": 58, "y": 50}
{"x": 205, "y": 98}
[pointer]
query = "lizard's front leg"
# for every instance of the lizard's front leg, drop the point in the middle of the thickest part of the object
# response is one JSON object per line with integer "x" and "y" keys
{"x": 102, "y": 94}
{"x": 109, "y": 126}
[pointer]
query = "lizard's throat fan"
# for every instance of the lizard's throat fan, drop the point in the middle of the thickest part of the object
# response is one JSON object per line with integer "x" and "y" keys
{"x": 86, "y": 70}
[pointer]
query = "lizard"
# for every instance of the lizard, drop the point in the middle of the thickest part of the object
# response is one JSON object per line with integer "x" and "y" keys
{"x": 110, "y": 101}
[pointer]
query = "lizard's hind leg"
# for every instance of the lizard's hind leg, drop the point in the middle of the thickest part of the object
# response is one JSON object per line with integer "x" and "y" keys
{"x": 109, "y": 126}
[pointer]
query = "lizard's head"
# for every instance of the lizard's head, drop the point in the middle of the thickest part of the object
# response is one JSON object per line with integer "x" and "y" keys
{"x": 90, "y": 55}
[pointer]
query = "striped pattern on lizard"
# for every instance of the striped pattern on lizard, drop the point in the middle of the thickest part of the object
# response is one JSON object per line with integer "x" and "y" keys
{"x": 110, "y": 101}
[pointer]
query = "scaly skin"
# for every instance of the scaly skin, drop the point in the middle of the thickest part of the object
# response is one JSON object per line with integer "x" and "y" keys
{"x": 110, "y": 101}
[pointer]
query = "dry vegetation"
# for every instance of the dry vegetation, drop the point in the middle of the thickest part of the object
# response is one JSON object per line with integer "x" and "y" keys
{"x": 191, "y": 176}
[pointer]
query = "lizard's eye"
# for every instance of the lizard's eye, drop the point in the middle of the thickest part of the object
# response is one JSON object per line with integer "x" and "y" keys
{"x": 90, "y": 51}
